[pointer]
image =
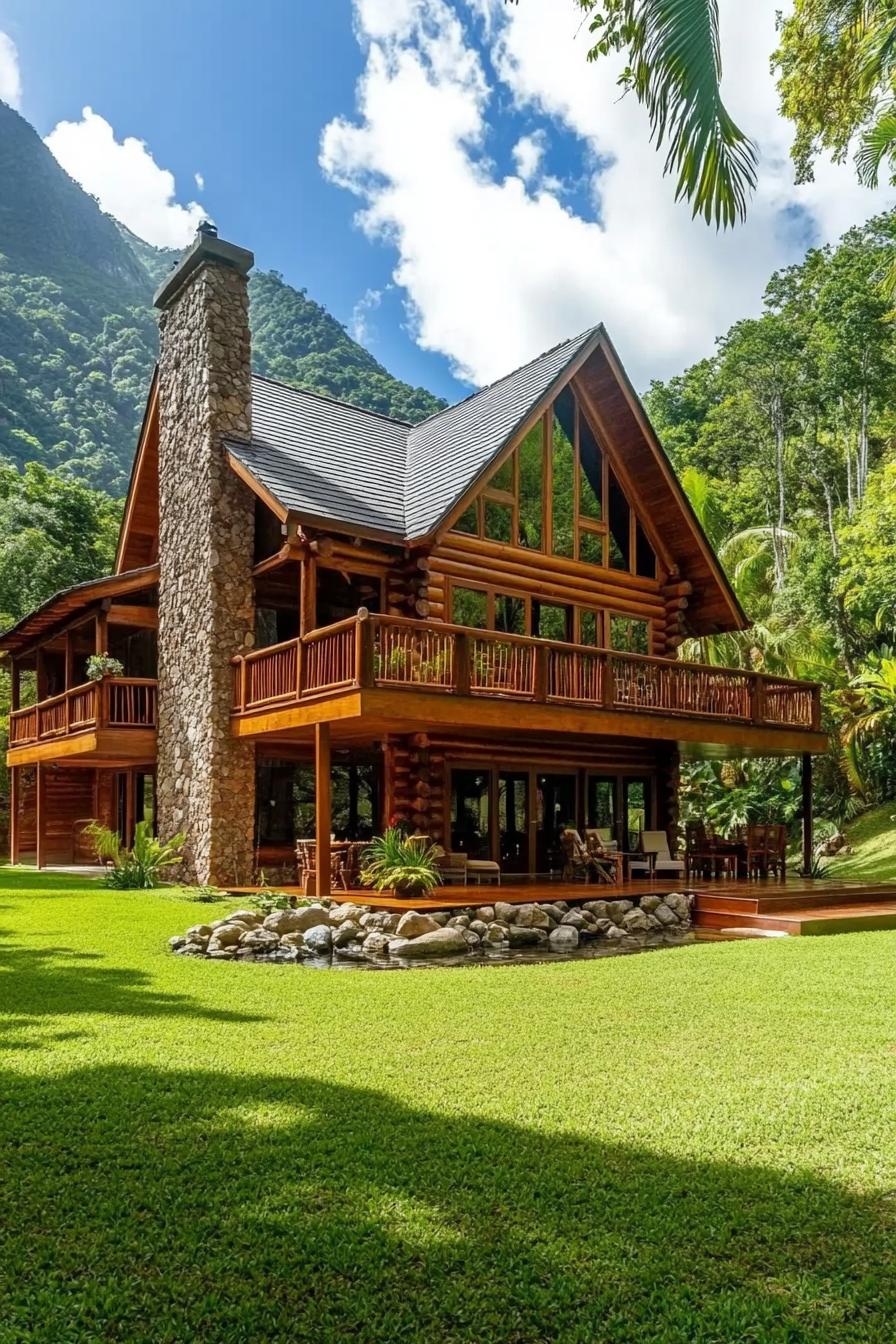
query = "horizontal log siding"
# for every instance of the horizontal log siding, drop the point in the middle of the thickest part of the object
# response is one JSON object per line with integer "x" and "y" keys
{"x": 459, "y": 560}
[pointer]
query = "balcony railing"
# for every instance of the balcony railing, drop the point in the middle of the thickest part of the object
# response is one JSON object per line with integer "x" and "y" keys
{"x": 116, "y": 702}
{"x": 396, "y": 653}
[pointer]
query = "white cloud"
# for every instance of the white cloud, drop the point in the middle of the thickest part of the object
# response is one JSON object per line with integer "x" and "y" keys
{"x": 359, "y": 325}
{"x": 10, "y": 74}
{"x": 493, "y": 273}
{"x": 528, "y": 153}
{"x": 125, "y": 179}
{"x": 200, "y": 181}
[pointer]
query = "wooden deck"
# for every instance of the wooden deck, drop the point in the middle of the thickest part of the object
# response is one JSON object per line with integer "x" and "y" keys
{"x": 796, "y": 907}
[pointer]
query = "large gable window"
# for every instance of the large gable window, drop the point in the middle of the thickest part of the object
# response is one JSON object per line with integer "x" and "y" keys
{"x": 558, "y": 494}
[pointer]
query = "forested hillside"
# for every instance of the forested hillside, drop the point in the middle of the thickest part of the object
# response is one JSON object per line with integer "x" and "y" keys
{"x": 78, "y": 335}
{"x": 785, "y": 439}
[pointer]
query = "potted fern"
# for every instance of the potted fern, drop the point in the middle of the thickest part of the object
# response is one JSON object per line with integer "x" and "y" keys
{"x": 399, "y": 863}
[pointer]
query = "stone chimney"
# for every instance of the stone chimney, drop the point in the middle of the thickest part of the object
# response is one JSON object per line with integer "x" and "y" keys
{"x": 206, "y": 777}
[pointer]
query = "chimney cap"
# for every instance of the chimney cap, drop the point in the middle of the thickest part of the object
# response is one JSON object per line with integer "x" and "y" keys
{"x": 207, "y": 249}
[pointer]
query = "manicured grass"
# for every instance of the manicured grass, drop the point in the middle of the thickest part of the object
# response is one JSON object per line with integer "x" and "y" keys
{"x": 873, "y": 840}
{"x": 692, "y": 1146}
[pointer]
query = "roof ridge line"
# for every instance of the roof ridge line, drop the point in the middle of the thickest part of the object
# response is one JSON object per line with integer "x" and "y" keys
{"x": 567, "y": 340}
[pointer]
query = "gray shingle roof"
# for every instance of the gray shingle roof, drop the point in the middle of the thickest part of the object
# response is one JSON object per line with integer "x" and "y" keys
{"x": 450, "y": 450}
{"x": 328, "y": 461}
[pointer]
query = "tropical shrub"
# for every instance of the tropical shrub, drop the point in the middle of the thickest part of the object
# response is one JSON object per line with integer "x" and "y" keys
{"x": 395, "y": 862}
{"x": 140, "y": 867}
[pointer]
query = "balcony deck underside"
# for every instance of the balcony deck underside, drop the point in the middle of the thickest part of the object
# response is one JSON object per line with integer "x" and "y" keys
{"x": 358, "y": 715}
{"x": 94, "y": 747}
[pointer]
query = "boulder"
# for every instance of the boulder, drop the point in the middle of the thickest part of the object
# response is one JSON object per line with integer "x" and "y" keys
{"x": 438, "y": 943}
{"x": 665, "y": 915}
{"x": 287, "y": 921}
{"x": 634, "y": 921}
{"x": 177, "y": 943}
{"x": 680, "y": 903}
{"x": 386, "y": 921}
{"x": 318, "y": 939}
{"x": 198, "y": 932}
{"x": 190, "y": 950}
{"x": 293, "y": 940}
{"x": 472, "y": 939}
{"x": 479, "y": 926}
{"x": 228, "y": 935}
{"x": 283, "y": 955}
{"x": 525, "y": 937}
{"x": 563, "y": 936}
{"x": 251, "y": 918}
{"x": 532, "y": 917}
{"x": 414, "y": 925}
{"x": 650, "y": 902}
{"x": 348, "y": 913}
{"x": 616, "y": 909}
{"x": 486, "y": 913}
{"x": 376, "y": 944}
{"x": 459, "y": 922}
{"x": 440, "y": 917}
{"x": 351, "y": 952}
{"x": 505, "y": 913}
{"x": 259, "y": 940}
{"x": 348, "y": 932}
{"x": 495, "y": 934}
{"x": 307, "y": 916}
{"x": 556, "y": 911}
{"x": 596, "y": 908}
{"x": 221, "y": 953}
{"x": 614, "y": 933}
{"x": 574, "y": 919}
{"x": 653, "y": 923}
{"x": 603, "y": 927}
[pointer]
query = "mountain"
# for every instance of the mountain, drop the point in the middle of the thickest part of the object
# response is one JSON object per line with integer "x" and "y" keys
{"x": 78, "y": 336}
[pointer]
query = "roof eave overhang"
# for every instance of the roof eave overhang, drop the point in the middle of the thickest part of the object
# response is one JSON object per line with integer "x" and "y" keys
{"x": 40, "y": 624}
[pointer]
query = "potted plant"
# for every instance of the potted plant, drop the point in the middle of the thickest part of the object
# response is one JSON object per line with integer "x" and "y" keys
{"x": 402, "y": 864}
{"x": 100, "y": 665}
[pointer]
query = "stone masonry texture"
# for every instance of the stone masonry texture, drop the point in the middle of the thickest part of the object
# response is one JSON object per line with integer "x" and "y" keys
{"x": 206, "y": 777}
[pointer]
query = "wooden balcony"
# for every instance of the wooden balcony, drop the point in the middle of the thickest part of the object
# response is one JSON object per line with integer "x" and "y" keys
{"x": 418, "y": 671}
{"x": 115, "y": 718}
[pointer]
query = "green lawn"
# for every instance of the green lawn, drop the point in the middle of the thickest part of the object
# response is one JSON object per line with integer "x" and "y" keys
{"x": 873, "y": 840}
{"x": 694, "y": 1145}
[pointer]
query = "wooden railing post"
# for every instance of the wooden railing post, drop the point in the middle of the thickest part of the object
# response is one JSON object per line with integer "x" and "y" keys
{"x": 461, "y": 664}
{"x": 607, "y": 689}
{"x": 757, "y": 698}
{"x": 364, "y": 648}
{"x": 300, "y": 667}
{"x": 540, "y": 687}
{"x": 242, "y": 683}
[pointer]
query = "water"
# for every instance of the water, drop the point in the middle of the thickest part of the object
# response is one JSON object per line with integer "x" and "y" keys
{"x": 521, "y": 956}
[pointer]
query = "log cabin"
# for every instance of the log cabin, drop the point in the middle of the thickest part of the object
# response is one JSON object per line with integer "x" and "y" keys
{"x": 330, "y": 621}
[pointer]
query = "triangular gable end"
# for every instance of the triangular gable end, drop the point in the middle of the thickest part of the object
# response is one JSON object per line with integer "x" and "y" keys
{"x": 636, "y": 466}
{"x": 138, "y": 540}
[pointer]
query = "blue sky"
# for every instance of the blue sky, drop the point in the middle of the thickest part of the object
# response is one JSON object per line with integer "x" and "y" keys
{"x": 447, "y": 176}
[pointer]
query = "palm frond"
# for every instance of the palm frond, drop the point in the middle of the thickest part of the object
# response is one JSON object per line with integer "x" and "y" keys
{"x": 878, "y": 143}
{"x": 676, "y": 75}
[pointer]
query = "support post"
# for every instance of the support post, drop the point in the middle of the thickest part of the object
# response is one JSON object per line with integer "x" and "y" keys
{"x": 39, "y": 815}
{"x": 808, "y": 815}
{"x": 14, "y": 814}
{"x": 15, "y": 688}
{"x": 69, "y": 661}
{"x": 307, "y": 594}
{"x": 322, "y": 807}
{"x": 102, "y": 631}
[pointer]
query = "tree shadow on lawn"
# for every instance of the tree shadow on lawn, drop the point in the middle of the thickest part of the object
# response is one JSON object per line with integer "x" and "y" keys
{"x": 37, "y": 985}
{"x": 140, "y": 1204}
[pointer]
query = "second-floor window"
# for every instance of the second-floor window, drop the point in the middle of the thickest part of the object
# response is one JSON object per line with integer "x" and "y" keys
{"x": 557, "y": 493}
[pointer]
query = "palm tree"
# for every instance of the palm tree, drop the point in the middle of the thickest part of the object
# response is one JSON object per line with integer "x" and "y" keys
{"x": 870, "y": 702}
